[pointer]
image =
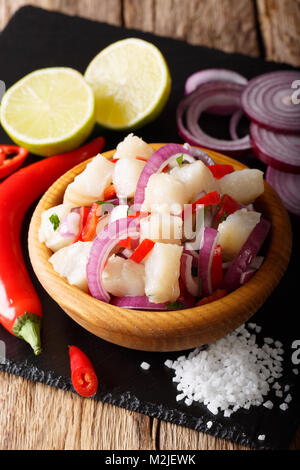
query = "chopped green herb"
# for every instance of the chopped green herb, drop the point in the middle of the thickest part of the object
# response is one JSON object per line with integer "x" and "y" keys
{"x": 101, "y": 203}
{"x": 175, "y": 306}
{"x": 223, "y": 217}
{"x": 200, "y": 286}
{"x": 54, "y": 219}
{"x": 180, "y": 159}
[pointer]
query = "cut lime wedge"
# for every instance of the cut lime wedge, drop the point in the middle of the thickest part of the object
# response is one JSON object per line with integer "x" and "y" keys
{"x": 49, "y": 111}
{"x": 131, "y": 82}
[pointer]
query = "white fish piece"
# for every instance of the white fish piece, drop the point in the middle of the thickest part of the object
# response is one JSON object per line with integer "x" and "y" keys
{"x": 244, "y": 185}
{"x": 132, "y": 147}
{"x": 47, "y": 234}
{"x": 89, "y": 185}
{"x": 126, "y": 175}
{"x": 165, "y": 193}
{"x": 197, "y": 178}
{"x": 162, "y": 269}
{"x": 163, "y": 228}
{"x": 235, "y": 230}
{"x": 71, "y": 262}
{"x": 123, "y": 277}
{"x": 119, "y": 212}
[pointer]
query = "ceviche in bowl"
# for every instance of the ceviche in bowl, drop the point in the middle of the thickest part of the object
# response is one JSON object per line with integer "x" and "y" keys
{"x": 162, "y": 239}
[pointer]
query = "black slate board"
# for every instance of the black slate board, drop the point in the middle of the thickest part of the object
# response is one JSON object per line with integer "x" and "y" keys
{"x": 35, "y": 38}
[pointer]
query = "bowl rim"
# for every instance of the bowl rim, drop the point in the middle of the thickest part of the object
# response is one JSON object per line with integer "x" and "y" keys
{"x": 201, "y": 318}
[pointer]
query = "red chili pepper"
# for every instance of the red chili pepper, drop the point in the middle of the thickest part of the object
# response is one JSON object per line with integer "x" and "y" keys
{"x": 142, "y": 250}
{"x": 84, "y": 378}
{"x": 109, "y": 192}
{"x": 20, "y": 307}
{"x": 218, "y": 294}
{"x": 90, "y": 225}
{"x": 216, "y": 268}
{"x": 219, "y": 171}
{"x": 228, "y": 206}
{"x": 208, "y": 200}
{"x": 9, "y": 165}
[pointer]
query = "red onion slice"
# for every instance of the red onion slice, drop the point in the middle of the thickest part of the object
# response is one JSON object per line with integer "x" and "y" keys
{"x": 214, "y": 75}
{"x": 101, "y": 248}
{"x": 191, "y": 283}
{"x": 156, "y": 164}
{"x": 246, "y": 276}
{"x": 281, "y": 151}
{"x": 287, "y": 187}
{"x": 206, "y": 253}
{"x": 69, "y": 225}
{"x": 200, "y": 154}
{"x": 195, "y": 103}
{"x": 243, "y": 260}
{"x": 143, "y": 303}
{"x": 235, "y": 119}
{"x": 267, "y": 100}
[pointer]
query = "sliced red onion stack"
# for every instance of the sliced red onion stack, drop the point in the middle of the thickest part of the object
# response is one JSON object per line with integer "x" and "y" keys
{"x": 203, "y": 98}
{"x": 281, "y": 151}
{"x": 287, "y": 185}
{"x": 267, "y": 100}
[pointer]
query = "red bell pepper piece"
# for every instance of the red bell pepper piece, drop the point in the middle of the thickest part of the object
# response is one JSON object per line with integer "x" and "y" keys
{"x": 89, "y": 228}
{"x": 142, "y": 250}
{"x": 84, "y": 378}
{"x": 114, "y": 160}
{"x": 209, "y": 199}
{"x": 228, "y": 206}
{"x": 220, "y": 170}
{"x": 218, "y": 294}
{"x": 125, "y": 243}
{"x": 9, "y": 165}
{"x": 20, "y": 307}
{"x": 216, "y": 268}
{"x": 142, "y": 159}
{"x": 84, "y": 212}
{"x": 109, "y": 192}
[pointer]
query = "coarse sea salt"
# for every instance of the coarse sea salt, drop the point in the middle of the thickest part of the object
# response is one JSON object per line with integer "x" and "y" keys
{"x": 209, "y": 424}
{"x": 231, "y": 373}
{"x": 145, "y": 365}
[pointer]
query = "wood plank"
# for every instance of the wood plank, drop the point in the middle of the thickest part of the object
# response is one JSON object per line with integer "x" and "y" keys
{"x": 109, "y": 11}
{"x": 36, "y": 416}
{"x": 226, "y": 24}
{"x": 280, "y": 29}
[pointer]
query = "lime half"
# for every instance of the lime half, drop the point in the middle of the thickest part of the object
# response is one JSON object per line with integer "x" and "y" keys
{"x": 131, "y": 82}
{"x": 49, "y": 111}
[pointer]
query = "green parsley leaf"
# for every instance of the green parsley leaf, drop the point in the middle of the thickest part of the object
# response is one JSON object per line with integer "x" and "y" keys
{"x": 180, "y": 159}
{"x": 174, "y": 306}
{"x": 54, "y": 219}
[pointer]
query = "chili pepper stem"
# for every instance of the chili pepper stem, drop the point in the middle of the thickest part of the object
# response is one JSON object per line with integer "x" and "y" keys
{"x": 28, "y": 327}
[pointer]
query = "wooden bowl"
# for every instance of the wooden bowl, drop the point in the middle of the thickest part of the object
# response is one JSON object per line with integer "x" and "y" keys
{"x": 168, "y": 330}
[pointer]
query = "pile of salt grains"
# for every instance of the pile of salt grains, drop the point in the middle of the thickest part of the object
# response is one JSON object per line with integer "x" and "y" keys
{"x": 232, "y": 373}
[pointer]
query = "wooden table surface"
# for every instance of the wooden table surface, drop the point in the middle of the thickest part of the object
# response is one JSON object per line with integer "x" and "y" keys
{"x": 36, "y": 416}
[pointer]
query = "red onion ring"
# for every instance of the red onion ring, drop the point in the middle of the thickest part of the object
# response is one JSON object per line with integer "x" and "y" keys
{"x": 101, "y": 248}
{"x": 244, "y": 258}
{"x": 287, "y": 187}
{"x": 200, "y": 154}
{"x": 195, "y": 103}
{"x": 206, "y": 253}
{"x": 267, "y": 100}
{"x": 246, "y": 276}
{"x": 191, "y": 283}
{"x": 235, "y": 119}
{"x": 281, "y": 151}
{"x": 143, "y": 303}
{"x": 156, "y": 164}
{"x": 214, "y": 75}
